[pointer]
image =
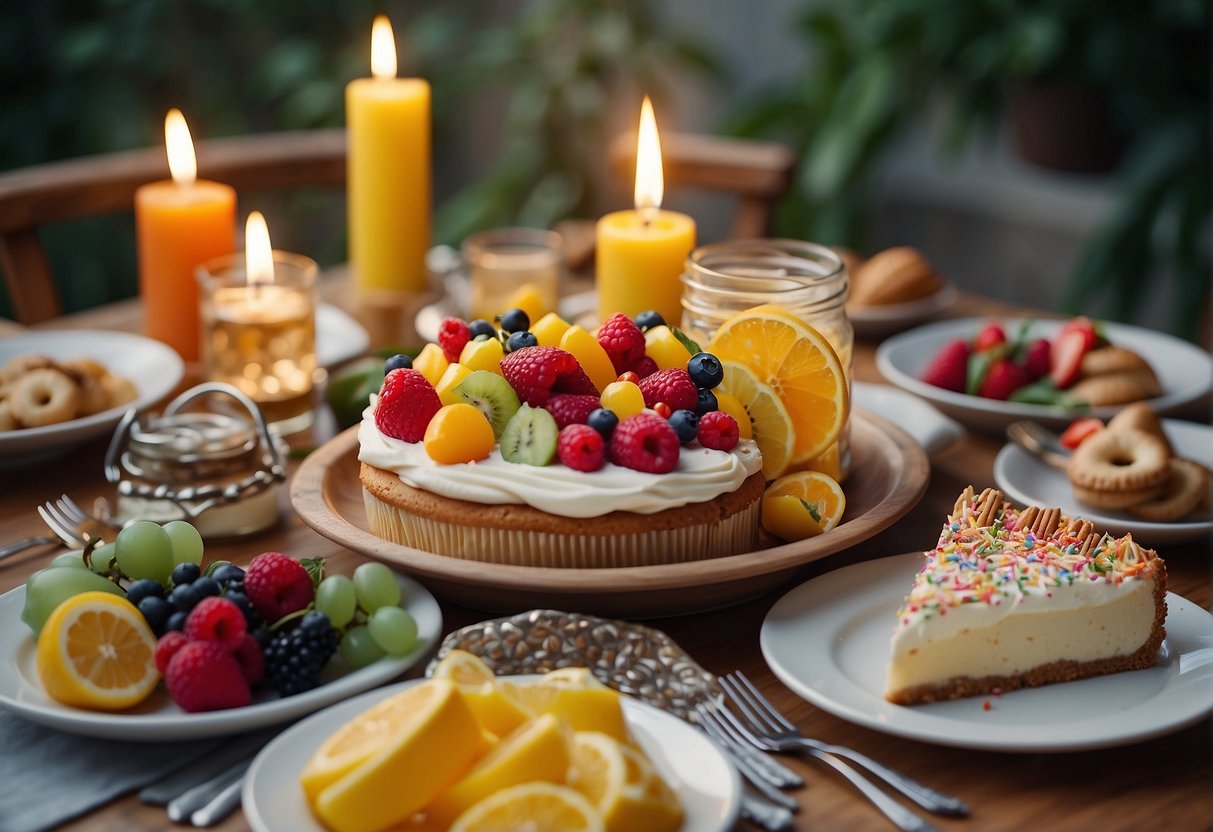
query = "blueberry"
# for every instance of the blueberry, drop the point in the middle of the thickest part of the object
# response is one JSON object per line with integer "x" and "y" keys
{"x": 649, "y": 319}
{"x": 515, "y": 320}
{"x": 480, "y": 327}
{"x": 176, "y": 621}
{"x": 685, "y": 423}
{"x": 399, "y": 361}
{"x": 184, "y": 597}
{"x": 315, "y": 623}
{"x": 251, "y": 618}
{"x": 185, "y": 573}
{"x": 155, "y": 611}
{"x": 707, "y": 402}
{"x": 603, "y": 421}
{"x": 518, "y": 340}
{"x": 143, "y": 588}
{"x": 205, "y": 587}
{"x": 227, "y": 573}
{"x": 705, "y": 370}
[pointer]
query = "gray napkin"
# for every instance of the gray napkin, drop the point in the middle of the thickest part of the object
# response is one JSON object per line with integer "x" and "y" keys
{"x": 51, "y": 777}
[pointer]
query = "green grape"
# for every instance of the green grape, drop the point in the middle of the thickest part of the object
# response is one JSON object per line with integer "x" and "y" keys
{"x": 376, "y": 587}
{"x": 100, "y": 558}
{"x": 144, "y": 550}
{"x": 336, "y": 598}
{"x": 187, "y": 543}
{"x": 69, "y": 559}
{"x": 49, "y": 588}
{"x": 393, "y": 629}
{"x": 358, "y": 649}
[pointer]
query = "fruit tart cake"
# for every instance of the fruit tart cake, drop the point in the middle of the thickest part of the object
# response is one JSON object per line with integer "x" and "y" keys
{"x": 1012, "y": 599}
{"x": 552, "y": 446}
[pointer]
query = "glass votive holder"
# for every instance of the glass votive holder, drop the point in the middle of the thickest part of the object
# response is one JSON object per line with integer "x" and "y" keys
{"x": 261, "y": 338}
{"x": 513, "y": 267}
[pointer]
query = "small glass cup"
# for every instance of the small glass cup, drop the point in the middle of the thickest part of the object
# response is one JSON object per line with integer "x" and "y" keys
{"x": 513, "y": 267}
{"x": 261, "y": 339}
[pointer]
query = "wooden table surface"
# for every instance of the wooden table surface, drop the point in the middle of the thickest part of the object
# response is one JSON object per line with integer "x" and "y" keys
{"x": 1159, "y": 784}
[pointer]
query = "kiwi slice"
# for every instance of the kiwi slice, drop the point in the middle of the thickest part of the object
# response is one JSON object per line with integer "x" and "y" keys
{"x": 491, "y": 395}
{"x": 530, "y": 437}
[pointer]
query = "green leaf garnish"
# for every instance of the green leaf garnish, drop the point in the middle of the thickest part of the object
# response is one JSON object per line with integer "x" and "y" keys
{"x": 315, "y": 569}
{"x": 683, "y": 339}
{"x": 811, "y": 509}
{"x": 978, "y": 366}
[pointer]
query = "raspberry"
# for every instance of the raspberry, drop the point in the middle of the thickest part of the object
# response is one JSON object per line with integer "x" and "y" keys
{"x": 204, "y": 676}
{"x": 167, "y": 646}
{"x": 645, "y": 442}
{"x": 674, "y": 387}
{"x": 645, "y": 367}
{"x": 622, "y": 340}
{"x": 406, "y": 404}
{"x": 536, "y": 373}
{"x": 216, "y": 619}
{"x": 718, "y": 431}
{"x": 568, "y": 409}
{"x": 252, "y": 662}
{"x": 453, "y": 335}
{"x": 277, "y": 585}
{"x": 581, "y": 448}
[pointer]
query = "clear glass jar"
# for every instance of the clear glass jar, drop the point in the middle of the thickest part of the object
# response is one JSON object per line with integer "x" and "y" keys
{"x": 806, "y": 279}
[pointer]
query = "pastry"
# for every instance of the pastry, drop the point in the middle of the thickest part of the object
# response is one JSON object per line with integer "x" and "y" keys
{"x": 895, "y": 275}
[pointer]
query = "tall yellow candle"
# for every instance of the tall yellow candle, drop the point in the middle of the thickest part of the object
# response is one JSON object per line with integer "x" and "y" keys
{"x": 388, "y": 186}
{"x": 179, "y": 224}
{"x": 641, "y": 252}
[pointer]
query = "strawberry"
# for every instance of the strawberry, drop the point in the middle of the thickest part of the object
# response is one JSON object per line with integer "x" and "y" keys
{"x": 1036, "y": 360}
{"x": 205, "y": 676}
{"x": 1086, "y": 327}
{"x": 645, "y": 367}
{"x": 405, "y": 406}
{"x": 1003, "y": 379}
{"x": 949, "y": 367}
{"x": 277, "y": 585}
{"x": 453, "y": 335}
{"x": 1065, "y": 356}
{"x": 622, "y": 340}
{"x": 581, "y": 448}
{"x": 569, "y": 409}
{"x": 1080, "y": 430}
{"x": 536, "y": 373}
{"x": 992, "y": 335}
{"x": 645, "y": 442}
{"x": 673, "y": 386}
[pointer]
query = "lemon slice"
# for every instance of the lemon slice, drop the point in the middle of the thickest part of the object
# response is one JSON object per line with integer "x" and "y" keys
{"x": 586, "y": 705}
{"x": 96, "y": 651}
{"x": 534, "y": 807}
{"x": 802, "y": 505}
{"x": 623, "y": 785}
{"x": 496, "y": 708}
{"x": 770, "y": 424}
{"x": 799, "y": 364}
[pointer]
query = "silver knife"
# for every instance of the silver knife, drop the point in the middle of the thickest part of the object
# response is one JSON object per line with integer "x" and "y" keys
{"x": 181, "y": 808}
{"x": 222, "y": 805}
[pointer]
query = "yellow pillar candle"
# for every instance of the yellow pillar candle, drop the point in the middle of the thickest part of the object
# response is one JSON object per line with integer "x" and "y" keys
{"x": 640, "y": 253}
{"x": 388, "y": 186}
{"x": 180, "y": 223}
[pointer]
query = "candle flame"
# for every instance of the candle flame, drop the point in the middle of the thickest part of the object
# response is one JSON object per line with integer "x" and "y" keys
{"x": 650, "y": 182}
{"x": 258, "y": 255}
{"x": 181, "y": 161}
{"x": 383, "y": 48}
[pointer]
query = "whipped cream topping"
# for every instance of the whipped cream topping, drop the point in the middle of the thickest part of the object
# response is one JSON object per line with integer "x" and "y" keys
{"x": 702, "y": 475}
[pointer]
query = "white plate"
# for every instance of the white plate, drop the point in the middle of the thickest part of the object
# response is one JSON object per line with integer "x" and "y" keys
{"x": 158, "y": 718}
{"x": 1184, "y": 370}
{"x": 828, "y": 640}
{"x": 1028, "y": 480}
{"x": 339, "y": 337}
{"x": 154, "y": 368}
{"x": 879, "y": 321}
{"x": 693, "y": 765}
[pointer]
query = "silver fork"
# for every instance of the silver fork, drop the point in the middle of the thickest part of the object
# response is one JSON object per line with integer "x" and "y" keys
{"x": 769, "y": 729}
{"x": 901, "y": 817}
{"x": 72, "y": 524}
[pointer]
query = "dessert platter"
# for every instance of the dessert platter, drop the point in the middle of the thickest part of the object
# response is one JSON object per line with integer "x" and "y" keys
{"x": 893, "y": 290}
{"x": 988, "y": 373}
{"x": 1001, "y": 637}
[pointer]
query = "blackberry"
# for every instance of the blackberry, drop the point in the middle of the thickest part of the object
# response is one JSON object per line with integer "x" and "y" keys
{"x": 295, "y": 659}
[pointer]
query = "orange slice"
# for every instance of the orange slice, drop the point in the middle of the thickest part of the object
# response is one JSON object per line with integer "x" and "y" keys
{"x": 797, "y": 362}
{"x": 96, "y": 651}
{"x": 770, "y": 424}
{"x": 802, "y": 505}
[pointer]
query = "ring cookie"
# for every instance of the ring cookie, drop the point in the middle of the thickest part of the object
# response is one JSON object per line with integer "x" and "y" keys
{"x": 1117, "y": 499}
{"x": 37, "y": 391}
{"x": 1141, "y": 416}
{"x": 45, "y": 396}
{"x": 1119, "y": 460}
{"x": 1186, "y": 488}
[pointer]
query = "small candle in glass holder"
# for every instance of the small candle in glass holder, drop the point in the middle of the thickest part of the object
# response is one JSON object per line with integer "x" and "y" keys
{"x": 259, "y": 326}
{"x": 514, "y": 267}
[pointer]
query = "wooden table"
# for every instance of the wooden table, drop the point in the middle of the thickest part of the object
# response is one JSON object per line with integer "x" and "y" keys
{"x": 1159, "y": 784}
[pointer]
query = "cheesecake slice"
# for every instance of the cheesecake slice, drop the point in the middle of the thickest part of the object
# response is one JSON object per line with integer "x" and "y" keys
{"x": 1013, "y": 599}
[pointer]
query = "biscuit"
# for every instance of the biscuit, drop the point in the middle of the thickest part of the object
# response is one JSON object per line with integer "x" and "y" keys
{"x": 45, "y": 396}
{"x": 1141, "y": 416}
{"x": 895, "y": 275}
{"x": 1116, "y": 499}
{"x": 1186, "y": 488}
{"x": 1120, "y": 387}
{"x": 19, "y": 365}
{"x": 7, "y": 420}
{"x": 1111, "y": 359}
{"x": 1124, "y": 460}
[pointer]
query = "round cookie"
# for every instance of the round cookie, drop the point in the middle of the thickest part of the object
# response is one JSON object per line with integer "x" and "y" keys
{"x": 1124, "y": 460}
{"x": 1120, "y": 387}
{"x": 44, "y": 397}
{"x": 1186, "y": 488}
{"x": 1141, "y": 416}
{"x": 7, "y": 420}
{"x": 1111, "y": 359}
{"x": 1116, "y": 499}
{"x": 19, "y": 365}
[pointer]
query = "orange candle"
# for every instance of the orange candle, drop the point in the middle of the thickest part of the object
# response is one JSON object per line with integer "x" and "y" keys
{"x": 180, "y": 223}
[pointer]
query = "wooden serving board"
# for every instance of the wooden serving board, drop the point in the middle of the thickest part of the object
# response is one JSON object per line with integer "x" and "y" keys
{"x": 889, "y": 474}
